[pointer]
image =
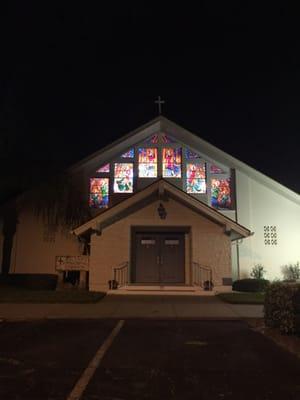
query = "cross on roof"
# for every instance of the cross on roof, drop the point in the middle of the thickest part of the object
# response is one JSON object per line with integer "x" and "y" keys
{"x": 159, "y": 102}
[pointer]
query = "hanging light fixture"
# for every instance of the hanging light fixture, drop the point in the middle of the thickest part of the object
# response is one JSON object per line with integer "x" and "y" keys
{"x": 162, "y": 211}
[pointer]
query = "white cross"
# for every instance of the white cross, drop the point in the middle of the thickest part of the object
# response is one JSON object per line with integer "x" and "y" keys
{"x": 159, "y": 101}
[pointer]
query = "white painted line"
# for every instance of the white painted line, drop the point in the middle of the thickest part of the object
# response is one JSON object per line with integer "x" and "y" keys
{"x": 88, "y": 373}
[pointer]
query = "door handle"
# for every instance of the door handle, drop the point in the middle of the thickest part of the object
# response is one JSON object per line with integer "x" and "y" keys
{"x": 161, "y": 260}
{"x": 157, "y": 259}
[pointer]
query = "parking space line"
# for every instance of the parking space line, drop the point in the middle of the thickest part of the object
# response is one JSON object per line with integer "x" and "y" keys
{"x": 88, "y": 373}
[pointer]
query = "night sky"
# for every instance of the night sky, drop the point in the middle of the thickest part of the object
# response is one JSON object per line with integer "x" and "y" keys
{"x": 75, "y": 78}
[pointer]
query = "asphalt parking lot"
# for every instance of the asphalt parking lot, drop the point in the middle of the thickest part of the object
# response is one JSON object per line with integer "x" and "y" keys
{"x": 148, "y": 359}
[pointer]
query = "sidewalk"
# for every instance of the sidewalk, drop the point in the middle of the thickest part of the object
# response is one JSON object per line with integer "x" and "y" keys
{"x": 135, "y": 306}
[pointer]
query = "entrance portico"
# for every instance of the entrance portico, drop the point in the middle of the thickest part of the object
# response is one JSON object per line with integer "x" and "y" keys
{"x": 149, "y": 250}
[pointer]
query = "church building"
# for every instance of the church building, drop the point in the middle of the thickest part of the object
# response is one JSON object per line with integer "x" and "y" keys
{"x": 167, "y": 210}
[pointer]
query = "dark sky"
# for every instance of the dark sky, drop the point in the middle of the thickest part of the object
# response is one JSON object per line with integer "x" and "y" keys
{"x": 75, "y": 78}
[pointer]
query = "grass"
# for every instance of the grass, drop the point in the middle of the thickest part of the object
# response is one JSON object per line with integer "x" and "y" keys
{"x": 242, "y": 298}
{"x": 20, "y": 295}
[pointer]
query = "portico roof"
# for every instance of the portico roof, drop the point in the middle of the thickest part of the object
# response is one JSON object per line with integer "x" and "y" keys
{"x": 161, "y": 190}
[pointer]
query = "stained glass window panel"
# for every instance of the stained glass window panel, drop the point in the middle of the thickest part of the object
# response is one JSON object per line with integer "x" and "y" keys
{"x": 220, "y": 193}
{"x": 147, "y": 155}
{"x": 128, "y": 154}
{"x": 147, "y": 170}
{"x": 153, "y": 139}
{"x": 167, "y": 139}
{"x": 99, "y": 192}
{"x": 123, "y": 179}
{"x": 191, "y": 155}
{"x": 195, "y": 171}
{"x": 214, "y": 169}
{"x": 147, "y": 162}
{"x": 104, "y": 168}
{"x": 195, "y": 178}
{"x": 171, "y": 162}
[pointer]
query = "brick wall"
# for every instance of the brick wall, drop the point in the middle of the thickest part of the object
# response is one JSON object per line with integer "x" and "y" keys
{"x": 208, "y": 244}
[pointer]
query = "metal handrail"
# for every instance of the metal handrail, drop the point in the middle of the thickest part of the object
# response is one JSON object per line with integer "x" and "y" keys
{"x": 202, "y": 274}
{"x": 120, "y": 274}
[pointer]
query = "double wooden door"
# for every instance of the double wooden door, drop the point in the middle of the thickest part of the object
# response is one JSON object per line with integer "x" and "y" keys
{"x": 159, "y": 258}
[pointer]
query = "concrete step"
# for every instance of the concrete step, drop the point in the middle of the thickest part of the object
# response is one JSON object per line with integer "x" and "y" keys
{"x": 162, "y": 289}
{"x": 165, "y": 288}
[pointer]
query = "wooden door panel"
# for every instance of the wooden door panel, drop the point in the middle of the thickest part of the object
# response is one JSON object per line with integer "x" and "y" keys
{"x": 172, "y": 258}
{"x": 147, "y": 252}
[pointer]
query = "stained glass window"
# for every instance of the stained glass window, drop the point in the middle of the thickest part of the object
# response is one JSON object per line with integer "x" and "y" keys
{"x": 99, "y": 188}
{"x": 220, "y": 193}
{"x": 153, "y": 139}
{"x": 214, "y": 169}
{"x": 171, "y": 163}
{"x": 123, "y": 179}
{"x": 195, "y": 178}
{"x": 147, "y": 162}
{"x": 166, "y": 139}
{"x": 128, "y": 154}
{"x": 191, "y": 155}
{"x": 104, "y": 168}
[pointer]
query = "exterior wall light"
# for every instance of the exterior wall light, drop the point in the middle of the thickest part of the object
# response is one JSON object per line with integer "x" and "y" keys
{"x": 162, "y": 211}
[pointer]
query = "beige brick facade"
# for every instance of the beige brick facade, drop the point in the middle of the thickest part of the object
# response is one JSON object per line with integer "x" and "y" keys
{"x": 35, "y": 247}
{"x": 206, "y": 243}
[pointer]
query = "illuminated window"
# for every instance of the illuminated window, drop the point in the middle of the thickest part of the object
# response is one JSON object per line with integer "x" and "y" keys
{"x": 147, "y": 163}
{"x": 191, "y": 155}
{"x": 153, "y": 139}
{"x": 214, "y": 169}
{"x": 123, "y": 179}
{"x": 128, "y": 154}
{"x": 99, "y": 188}
{"x": 195, "y": 178}
{"x": 166, "y": 139}
{"x": 171, "y": 163}
{"x": 220, "y": 193}
{"x": 104, "y": 168}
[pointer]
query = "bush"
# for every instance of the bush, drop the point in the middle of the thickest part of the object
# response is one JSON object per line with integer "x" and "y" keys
{"x": 291, "y": 272}
{"x": 250, "y": 285}
{"x": 258, "y": 272}
{"x": 30, "y": 281}
{"x": 280, "y": 306}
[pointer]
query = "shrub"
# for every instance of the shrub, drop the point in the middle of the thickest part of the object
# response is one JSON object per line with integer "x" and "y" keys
{"x": 250, "y": 285}
{"x": 258, "y": 271}
{"x": 30, "y": 281}
{"x": 280, "y": 306}
{"x": 290, "y": 271}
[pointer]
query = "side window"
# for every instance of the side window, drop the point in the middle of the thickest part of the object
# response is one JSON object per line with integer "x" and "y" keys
{"x": 99, "y": 192}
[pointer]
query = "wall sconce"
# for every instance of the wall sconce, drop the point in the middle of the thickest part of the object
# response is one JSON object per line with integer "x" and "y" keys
{"x": 162, "y": 211}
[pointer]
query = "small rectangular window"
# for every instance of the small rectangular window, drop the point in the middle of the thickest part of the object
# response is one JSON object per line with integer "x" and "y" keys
{"x": 147, "y": 241}
{"x": 195, "y": 178}
{"x": 171, "y": 158}
{"x": 172, "y": 242}
{"x": 221, "y": 193}
{"x": 123, "y": 179}
{"x": 147, "y": 162}
{"x": 99, "y": 189}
